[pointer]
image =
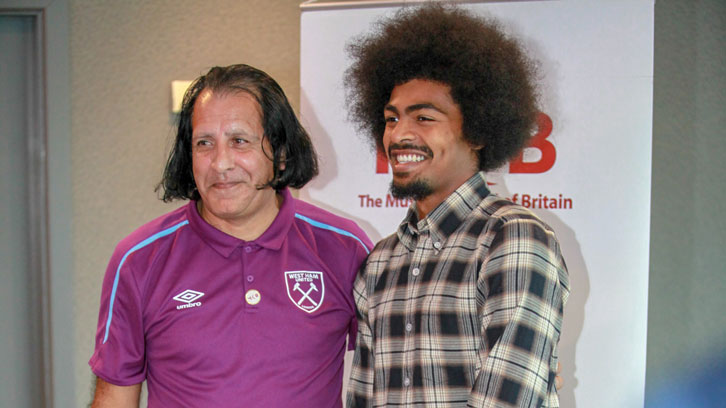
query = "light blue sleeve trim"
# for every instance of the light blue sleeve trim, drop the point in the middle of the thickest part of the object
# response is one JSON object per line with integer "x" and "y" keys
{"x": 331, "y": 228}
{"x": 136, "y": 247}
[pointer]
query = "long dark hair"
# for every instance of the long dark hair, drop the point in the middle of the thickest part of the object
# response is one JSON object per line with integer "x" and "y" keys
{"x": 290, "y": 142}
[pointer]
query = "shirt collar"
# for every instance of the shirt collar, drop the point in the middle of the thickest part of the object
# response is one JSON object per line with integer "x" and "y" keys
{"x": 448, "y": 216}
{"x": 225, "y": 244}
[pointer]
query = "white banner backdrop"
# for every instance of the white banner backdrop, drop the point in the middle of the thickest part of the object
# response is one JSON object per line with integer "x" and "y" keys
{"x": 588, "y": 174}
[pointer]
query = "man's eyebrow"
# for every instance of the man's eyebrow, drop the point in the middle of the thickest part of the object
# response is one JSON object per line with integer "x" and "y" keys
{"x": 416, "y": 107}
{"x": 391, "y": 108}
{"x": 237, "y": 132}
{"x": 227, "y": 133}
{"x": 424, "y": 105}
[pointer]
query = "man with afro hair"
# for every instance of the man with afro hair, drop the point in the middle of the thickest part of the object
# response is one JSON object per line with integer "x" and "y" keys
{"x": 463, "y": 305}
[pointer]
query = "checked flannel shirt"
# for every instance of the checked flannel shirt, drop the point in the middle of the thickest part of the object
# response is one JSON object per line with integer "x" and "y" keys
{"x": 461, "y": 309}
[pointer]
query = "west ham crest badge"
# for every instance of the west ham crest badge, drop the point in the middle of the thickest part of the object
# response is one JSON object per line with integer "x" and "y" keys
{"x": 305, "y": 289}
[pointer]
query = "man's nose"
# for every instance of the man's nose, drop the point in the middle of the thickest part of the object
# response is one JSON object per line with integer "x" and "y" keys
{"x": 223, "y": 159}
{"x": 402, "y": 132}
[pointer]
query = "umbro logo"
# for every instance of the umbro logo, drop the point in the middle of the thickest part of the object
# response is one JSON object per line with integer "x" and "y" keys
{"x": 188, "y": 297}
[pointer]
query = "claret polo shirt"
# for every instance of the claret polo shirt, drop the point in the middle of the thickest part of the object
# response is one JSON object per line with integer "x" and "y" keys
{"x": 213, "y": 321}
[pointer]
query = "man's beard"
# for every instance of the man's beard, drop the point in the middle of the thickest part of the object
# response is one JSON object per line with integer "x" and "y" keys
{"x": 416, "y": 190}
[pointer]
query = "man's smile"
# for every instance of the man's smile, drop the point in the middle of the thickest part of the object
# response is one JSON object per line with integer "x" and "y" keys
{"x": 409, "y": 158}
{"x": 401, "y": 154}
{"x": 225, "y": 184}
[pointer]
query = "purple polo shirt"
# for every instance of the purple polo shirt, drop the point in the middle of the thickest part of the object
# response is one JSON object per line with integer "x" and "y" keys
{"x": 213, "y": 321}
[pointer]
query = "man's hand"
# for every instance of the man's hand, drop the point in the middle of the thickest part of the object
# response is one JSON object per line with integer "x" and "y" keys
{"x": 558, "y": 380}
{"x": 108, "y": 395}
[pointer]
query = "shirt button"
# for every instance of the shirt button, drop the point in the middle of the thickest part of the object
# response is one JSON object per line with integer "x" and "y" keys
{"x": 248, "y": 249}
{"x": 437, "y": 245}
{"x": 253, "y": 297}
{"x": 409, "y": 327}
{"x": 406, "y": 382}
{"x": 415, "y": 271}
{"x": 250, "y": 278}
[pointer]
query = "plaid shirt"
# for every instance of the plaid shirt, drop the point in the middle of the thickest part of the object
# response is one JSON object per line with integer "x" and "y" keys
{"x": 461, "y": 309}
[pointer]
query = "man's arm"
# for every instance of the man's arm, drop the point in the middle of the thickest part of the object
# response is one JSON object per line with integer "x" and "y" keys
{"x": 108, "y": 395}
{"x": 120, "y": 347}
{"x": 522, "y": 287}
{"x": 360, "y": 386}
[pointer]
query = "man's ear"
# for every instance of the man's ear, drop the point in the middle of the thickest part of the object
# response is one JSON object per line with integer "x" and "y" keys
{"x": 283, "y": 160}
{"x": 476, "y": 151}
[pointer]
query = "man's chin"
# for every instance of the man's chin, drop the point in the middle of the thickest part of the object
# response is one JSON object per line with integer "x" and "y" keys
{"x": 416, "y": 189}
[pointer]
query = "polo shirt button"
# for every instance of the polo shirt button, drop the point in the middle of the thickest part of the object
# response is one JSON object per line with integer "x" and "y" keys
{"x": 409, "y": 327}
{"x": 248, "y": 249}
{"x": 406, "y": 382}
{"x": 250, "y": 278}
{"x": 415, "y": 271}
{"x": 437, "y": 245}
{"x": 253, "y": 297}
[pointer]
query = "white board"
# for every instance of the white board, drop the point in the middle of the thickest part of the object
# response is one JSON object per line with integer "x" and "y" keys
{"x": 591, "y": 183}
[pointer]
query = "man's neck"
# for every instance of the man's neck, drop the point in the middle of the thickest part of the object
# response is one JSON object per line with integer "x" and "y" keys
{"x": 247, "y": 229}
{"x": 429, "y": 203}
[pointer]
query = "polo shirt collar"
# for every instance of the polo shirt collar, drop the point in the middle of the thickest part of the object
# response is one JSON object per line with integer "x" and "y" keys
{"x": 225, "y": 244}
{"x": 448, "y": 216}
{"x": 276, "y": 233}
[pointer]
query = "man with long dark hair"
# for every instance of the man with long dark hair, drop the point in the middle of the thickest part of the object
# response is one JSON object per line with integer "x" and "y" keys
{"x": 462, "y": 306}
{"x": 242, "y": 296}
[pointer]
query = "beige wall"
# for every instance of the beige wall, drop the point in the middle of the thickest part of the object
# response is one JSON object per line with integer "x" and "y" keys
{"x": 124, "y": 55}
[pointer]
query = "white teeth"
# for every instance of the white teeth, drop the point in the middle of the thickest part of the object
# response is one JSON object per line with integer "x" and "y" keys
{"x": 409, "y": 158}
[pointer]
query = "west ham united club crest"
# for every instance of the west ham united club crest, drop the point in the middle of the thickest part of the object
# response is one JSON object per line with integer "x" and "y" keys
{"x": 305, "y": 289}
